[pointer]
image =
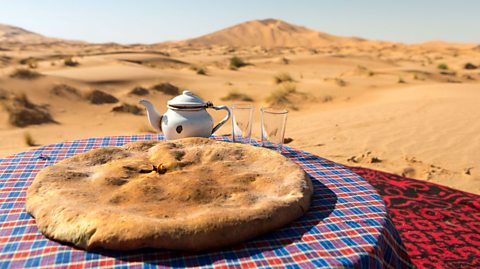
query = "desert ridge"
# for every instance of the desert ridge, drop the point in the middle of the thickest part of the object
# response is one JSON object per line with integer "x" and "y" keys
{"x": 405, "y": 109}
{"x": 268, "y": 33}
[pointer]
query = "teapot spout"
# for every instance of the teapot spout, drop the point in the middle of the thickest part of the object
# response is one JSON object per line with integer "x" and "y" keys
{"x": 154, "y": 118}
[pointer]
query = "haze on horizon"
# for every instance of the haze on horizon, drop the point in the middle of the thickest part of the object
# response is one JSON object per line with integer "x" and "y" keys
{"x": 149, "y": 21}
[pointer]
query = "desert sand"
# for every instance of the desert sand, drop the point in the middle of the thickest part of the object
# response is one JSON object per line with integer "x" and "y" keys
{"x": 411, "y": 110}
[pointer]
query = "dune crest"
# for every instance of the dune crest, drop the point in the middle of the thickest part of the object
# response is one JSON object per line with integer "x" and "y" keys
{"x": 12, "y": 34}
{"x": 268, "y": 33}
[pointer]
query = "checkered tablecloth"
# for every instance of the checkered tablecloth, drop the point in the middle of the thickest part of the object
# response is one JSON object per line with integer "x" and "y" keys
{"x": 347, "y": 224}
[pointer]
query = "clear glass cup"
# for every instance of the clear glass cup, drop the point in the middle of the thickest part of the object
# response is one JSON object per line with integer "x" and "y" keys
{"x": 274, "y": 122}
{"x": 242, "y": 119}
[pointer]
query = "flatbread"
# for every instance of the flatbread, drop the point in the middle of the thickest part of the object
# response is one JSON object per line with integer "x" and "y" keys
{"x": 187, "y": 194}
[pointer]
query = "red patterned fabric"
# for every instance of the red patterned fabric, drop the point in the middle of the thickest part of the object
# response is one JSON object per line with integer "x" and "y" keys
{"x": 439, "y": 226}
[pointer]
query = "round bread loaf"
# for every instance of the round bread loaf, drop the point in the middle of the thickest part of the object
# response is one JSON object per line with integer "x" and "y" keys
{"x": 188, "y": 194}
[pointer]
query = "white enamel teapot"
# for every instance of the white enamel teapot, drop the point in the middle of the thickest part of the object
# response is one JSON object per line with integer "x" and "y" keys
{"x": 186, "y": 117}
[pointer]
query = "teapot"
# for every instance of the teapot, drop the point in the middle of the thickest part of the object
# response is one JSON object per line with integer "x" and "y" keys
{"x": 186, "y": 117}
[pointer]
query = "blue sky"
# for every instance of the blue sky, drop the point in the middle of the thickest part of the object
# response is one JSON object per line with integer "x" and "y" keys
{"x": 145, "y": 21}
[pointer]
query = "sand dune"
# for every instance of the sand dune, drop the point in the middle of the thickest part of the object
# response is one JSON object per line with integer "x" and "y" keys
{"x": 106, "y": 74}
{"x": 406, "y": 109}
{"x": 13, "y": 34}
{"x": 420, "y": 131}
{"x": 268, "y": 33}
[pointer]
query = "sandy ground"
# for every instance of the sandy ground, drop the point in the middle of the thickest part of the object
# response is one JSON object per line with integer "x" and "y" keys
{"x": 389, "y": 108}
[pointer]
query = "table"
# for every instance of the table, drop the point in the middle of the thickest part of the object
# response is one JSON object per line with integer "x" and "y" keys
{"x": 347, "y": 224}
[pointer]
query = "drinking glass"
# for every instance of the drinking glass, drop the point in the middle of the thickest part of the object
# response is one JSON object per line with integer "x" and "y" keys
{"x": 242, "y": 119}
{"x": 274, "y": 122}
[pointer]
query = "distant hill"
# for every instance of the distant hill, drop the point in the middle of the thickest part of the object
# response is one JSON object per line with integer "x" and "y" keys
{"x": 268, "y": 33}
{"x": 12, "y": 34}
{"x": 444, "y": 44}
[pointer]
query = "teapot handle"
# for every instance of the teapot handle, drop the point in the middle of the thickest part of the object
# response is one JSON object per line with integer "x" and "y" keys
{"x": 224, "y": 119}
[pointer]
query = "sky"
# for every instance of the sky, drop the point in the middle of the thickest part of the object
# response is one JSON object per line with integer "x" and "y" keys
{"x": 149, "y": 21}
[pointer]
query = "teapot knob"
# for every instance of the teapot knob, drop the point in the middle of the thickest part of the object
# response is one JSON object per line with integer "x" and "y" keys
{"x": 187, "y": 93}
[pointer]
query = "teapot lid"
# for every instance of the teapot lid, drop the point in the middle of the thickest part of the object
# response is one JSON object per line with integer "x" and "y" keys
{"x": 187, "y": 100}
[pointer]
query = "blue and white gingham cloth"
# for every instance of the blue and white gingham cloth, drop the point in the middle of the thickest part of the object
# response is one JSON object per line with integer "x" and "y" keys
{"x": 347, "y": 224}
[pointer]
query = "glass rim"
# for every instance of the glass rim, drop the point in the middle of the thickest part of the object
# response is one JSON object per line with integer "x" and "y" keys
{"x": 272, "y": 110}
{"x": 242, "y": 106}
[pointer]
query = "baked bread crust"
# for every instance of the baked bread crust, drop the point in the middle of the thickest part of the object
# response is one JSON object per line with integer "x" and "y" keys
{"x": 187, "y": 194}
